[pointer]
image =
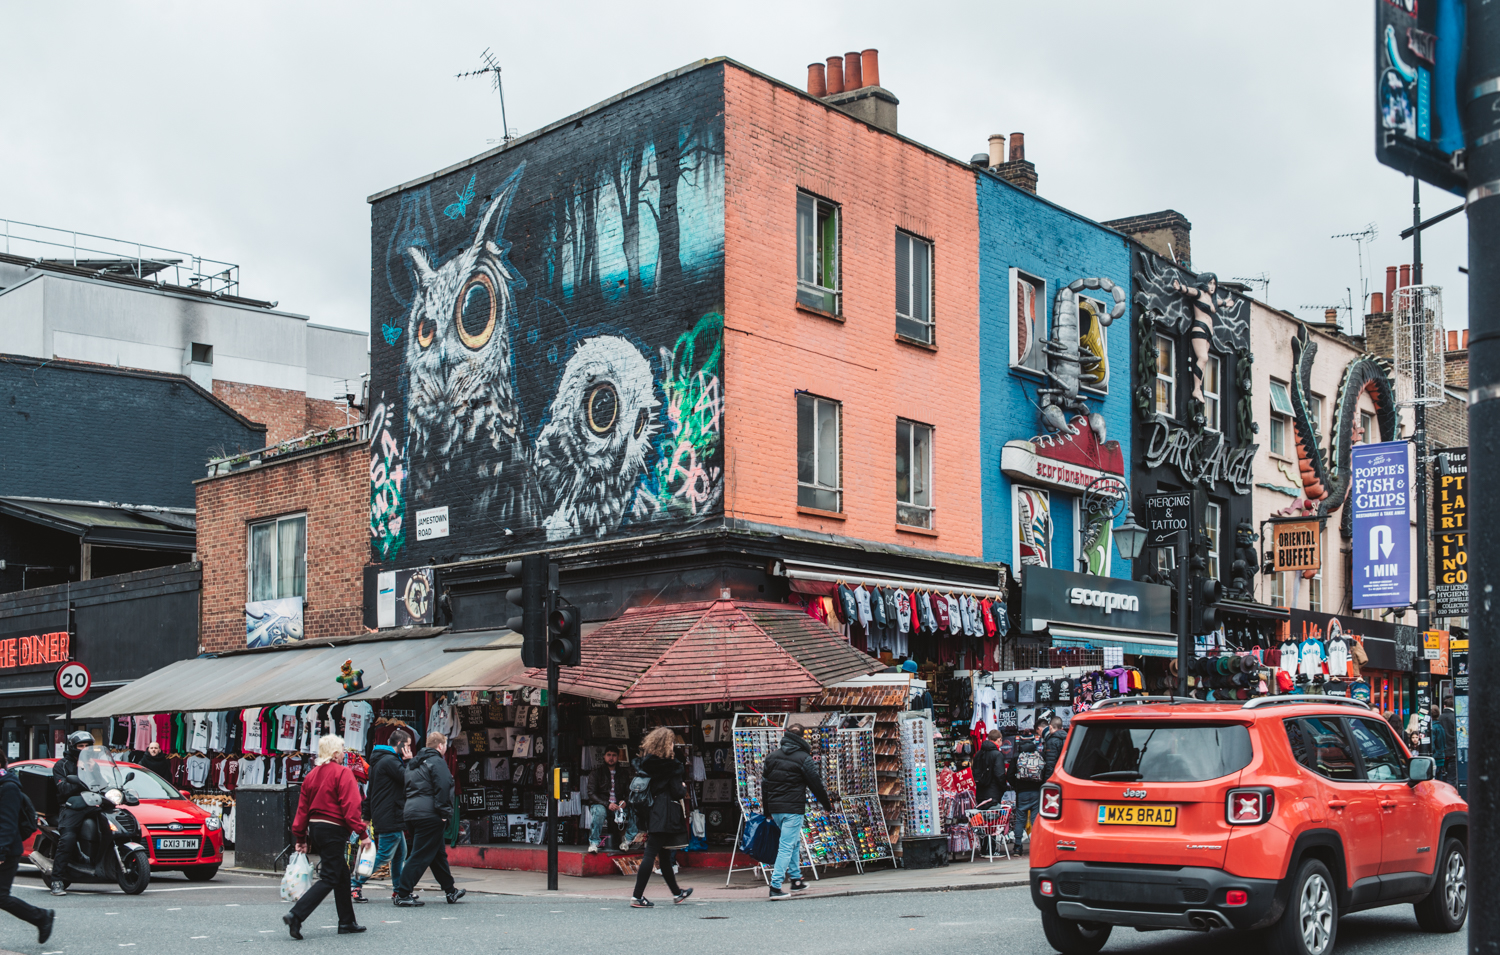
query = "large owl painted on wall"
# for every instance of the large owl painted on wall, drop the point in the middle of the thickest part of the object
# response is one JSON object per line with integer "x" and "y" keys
{"x": 464, "y": 424}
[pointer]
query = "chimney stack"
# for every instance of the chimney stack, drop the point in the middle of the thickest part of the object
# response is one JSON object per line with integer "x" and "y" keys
{"x": 1405, "y": 271}
{"x": 852, "y": 83}
{"x": 1330, "y": 316}
{"x": 816, "y": 84}
{"x": 1390, "y": 287}
{"x": 853, "y": 72}
{"x": 1377, "y": 303}
{"x": 997, "y": 150}
{"x": 1017, "y": 147}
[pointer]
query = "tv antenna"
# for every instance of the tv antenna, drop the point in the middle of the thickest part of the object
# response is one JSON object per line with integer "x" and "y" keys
{"x": 1345, "y": 306}
{"x": 492, "y": 67}
{"x": 1368, "y": 234}
{"x": 1263, "y": 280}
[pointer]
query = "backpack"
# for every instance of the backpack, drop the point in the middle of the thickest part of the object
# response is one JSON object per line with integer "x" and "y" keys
{"x": 640, "y": 792}
{"x": 1029, "y": 766}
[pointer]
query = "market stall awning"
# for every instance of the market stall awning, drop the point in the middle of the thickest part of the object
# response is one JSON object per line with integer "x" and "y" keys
{"x": 708, "y": 653}
{"x": 285, "y": 674}
{"x": 103, "y": 524}
{"x": 477, "y": 666}
{"x": 1138, "y": 644}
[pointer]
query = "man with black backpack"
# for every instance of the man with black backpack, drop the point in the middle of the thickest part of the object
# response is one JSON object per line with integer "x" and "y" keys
{"x": 17, "y": 822}
{"x": 1024, "y": 773}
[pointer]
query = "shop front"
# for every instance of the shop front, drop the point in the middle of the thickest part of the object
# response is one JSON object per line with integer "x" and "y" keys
{"x": 1371, "y": 660}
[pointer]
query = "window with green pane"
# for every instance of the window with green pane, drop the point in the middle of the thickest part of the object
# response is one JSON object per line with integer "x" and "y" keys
{"x": 818, "y": 482}
{"x": 913, "y": 474}
{"x": 817, "y": 253}
{"x": 278, "y": 558}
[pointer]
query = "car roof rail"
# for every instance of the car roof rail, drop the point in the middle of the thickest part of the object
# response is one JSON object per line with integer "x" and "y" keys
{"x": 1308, "y": 700}
{"x": 1141, "y": 700}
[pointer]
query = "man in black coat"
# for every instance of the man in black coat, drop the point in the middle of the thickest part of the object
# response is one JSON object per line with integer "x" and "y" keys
{"x": 70, "y": 817}
{"x": 786, "y": 776}
{"x": 1052, "y": 745}
{"x": 989, "y": 773}
{"x": 385, "y": 807}
{"x": 10, "y": 855}
{"x": 429, "y": 806}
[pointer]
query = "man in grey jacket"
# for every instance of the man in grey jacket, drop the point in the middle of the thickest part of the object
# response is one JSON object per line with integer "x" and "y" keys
{"x": 429, "y": 806}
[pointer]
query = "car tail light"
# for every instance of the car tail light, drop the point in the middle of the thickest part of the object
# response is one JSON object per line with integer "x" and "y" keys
{"x": 1051, "y": 802}
{"x": 1236, "y": 897}
{"x": 1249, "y": 807}
{"x": 1044, "y": 887}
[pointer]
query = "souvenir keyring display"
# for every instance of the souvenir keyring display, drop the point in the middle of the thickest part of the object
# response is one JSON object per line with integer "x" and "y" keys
{"x": 923, "y": 815}
{"x": 754, "y": 736}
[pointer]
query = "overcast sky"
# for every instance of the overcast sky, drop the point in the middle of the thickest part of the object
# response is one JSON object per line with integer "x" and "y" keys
{"x": 254, "y": 132}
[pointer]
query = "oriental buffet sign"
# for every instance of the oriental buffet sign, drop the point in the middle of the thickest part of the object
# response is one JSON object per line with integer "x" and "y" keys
{"x": 1203, "y": 459}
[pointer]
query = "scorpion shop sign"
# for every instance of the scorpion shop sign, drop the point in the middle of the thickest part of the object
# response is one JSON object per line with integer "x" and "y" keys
{"x": 1203, "y": 459}
{"x": 1297, "y": 545}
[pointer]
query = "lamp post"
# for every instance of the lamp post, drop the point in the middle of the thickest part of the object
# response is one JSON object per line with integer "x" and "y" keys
{"x": 1130, "y": 537}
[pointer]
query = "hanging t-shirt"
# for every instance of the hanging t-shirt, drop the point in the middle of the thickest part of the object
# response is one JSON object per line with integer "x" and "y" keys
{"x": 903, "y": 612}
{"x": 310, "y": 729}
{"x": 286, "y": 728}
{"x": 1338, "y": 657}
{"x": 145, "y": 732}
{"x": 955, "y": 616}
{"x": 1312, "y": 657}
{"x": 1027, "y": 694}
{"x": 197, "y": 770}
{"x": 1291, "y": 657}
{"x": 862, "y": 606}
{"x": 250, "y": 719}
{"x": 198, "y": 738}
{"x": 357, "y": 717}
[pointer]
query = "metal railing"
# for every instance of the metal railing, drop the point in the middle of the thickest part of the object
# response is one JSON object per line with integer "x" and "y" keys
{"x": 105, "y": 255}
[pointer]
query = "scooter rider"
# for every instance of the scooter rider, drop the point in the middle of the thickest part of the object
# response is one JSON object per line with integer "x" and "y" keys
{"x": 70, "y": 817}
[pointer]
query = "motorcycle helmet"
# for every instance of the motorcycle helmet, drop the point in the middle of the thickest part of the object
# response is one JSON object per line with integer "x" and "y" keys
{"x": 80, "y": 738}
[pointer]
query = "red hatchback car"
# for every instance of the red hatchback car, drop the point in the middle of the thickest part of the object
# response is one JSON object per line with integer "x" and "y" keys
{"x": 1279, "y": 815}
{"x": 178, "y": 833}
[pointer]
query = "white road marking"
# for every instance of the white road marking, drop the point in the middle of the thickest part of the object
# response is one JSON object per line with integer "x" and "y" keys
{"x": 198, "y": 936}
{"x": 175, "y": 910}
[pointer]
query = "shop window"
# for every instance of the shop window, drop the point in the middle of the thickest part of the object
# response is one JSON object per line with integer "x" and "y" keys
{"x": 913, "y": 474}
{"x": 1211, "y": 393}
{"x": 1315, "y": 412}
{"x": 1166, "y": 560}
{"x": 1032, "y": 516}
{"x": 1166, "y": 376}
{"x": 818, "y": 483}
{"x": 1028, "y": 309}
{"x": 817, "y": 253}
{"x": 1093, "y": 346}
{"x": 914, "y": 288}
{"x": 1281, "y": 415}
{"x": 278, "y": 558}
{"x": 1211, "y": 531}
{"x": 1278, "y": 589}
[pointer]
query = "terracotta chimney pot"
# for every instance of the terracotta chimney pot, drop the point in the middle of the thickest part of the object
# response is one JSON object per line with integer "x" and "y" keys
{"x": 1390, "y": 287}
{"x": 835, "y": 75}
{"x": 870, "y": 67}
{"x": 816, "y": 85}
{"x": 852, "y": 73}
{"x": 1331, "y": 316}
{"x": 1453, "y": 341}
{"x": 1405, "y": 276}
{"x": 1466, "y": 339}
{"x": 1017, "y": 147}
{"x": 1377, "y": 303}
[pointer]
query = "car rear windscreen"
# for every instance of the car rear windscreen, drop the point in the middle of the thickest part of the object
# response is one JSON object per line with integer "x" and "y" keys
{"x": 1157, "y": 752}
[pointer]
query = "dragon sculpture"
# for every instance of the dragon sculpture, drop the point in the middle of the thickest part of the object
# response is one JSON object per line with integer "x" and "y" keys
{"x": 1326, "y": 478}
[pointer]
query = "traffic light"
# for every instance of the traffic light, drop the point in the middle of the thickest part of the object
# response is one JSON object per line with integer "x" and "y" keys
{"x": 564, "y": 644}
{"x": 529, "y": 617}
{"x": 1206, "y": 593}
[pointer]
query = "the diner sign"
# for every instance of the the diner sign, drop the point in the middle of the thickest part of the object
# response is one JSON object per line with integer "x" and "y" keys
{"x": 34, "y": 650}
{"x": 1296, "y": 545}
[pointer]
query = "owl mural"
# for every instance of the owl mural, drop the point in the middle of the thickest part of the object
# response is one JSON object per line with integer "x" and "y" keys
{"x": 463, "y": 420}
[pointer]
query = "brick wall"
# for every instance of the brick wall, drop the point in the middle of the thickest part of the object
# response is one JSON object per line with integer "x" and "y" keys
{"x": 285, "y": 413}
{"x": 776, "y": 142}
{"x": 332, "y": 487}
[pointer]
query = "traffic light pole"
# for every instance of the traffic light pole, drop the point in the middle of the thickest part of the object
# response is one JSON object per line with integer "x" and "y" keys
{"x": 554, "y": 770}
{"x": 1184, "y": 600}
{"x": 1480, "y": 96}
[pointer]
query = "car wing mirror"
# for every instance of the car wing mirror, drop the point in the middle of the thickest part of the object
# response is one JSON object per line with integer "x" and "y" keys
{"x": 185, "y": 794}
{"x": 1420, "y": 769}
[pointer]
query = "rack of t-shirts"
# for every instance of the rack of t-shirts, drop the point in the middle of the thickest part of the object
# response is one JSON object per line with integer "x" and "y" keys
{"x": 885, "y": 619}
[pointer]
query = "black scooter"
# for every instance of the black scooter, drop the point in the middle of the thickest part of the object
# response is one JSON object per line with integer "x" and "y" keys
{"x": 108, "y": 850}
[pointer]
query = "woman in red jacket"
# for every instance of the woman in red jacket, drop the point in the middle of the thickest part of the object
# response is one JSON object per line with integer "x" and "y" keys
{"x": 328, "y": 811}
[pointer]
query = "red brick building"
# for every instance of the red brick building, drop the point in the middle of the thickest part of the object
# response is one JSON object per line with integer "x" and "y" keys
{"x": 285, "y": 523}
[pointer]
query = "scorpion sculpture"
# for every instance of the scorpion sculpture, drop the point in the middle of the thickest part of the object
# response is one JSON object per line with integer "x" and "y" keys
{"x": 1059, "y": 398}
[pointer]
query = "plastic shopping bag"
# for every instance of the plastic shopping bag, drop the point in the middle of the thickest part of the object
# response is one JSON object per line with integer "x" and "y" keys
{"x": 698, "y": 824}
{"x": 364, "y": 866}
{"x": 761, "y": 838}
{"x": 298, "y": 877}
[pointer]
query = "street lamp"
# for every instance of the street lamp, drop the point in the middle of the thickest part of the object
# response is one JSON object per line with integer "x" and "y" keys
{"x": 1130, "y": 537}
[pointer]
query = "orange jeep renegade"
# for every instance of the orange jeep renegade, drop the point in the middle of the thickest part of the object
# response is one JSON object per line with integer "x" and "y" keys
{"x": 1278, "y": 815}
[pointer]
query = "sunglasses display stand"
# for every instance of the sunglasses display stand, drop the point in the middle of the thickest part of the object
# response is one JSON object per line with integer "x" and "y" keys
{"x": 923, "y": 816}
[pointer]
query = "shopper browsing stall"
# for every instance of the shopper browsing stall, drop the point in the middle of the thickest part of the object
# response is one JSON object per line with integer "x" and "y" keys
{"x": 786, "y": 776}
{"x": 608, "y": 788}
{"x": 989, "y": 773}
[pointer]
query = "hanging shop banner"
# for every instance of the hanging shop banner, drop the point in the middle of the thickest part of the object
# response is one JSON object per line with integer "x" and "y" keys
{"x": 1297, "y": 545}
{"x": 406, "y": 598}
{"x": 1381, "y": 505}
{"x": 1419, "y": 97}
{"x": 42, "y": 646}
{"x": 271, "y": 623}
{"x": 1450, "y": 525}
{"x": 1435, "y": 651}
{"x": 1388, "y": 646}
{"x": 1056, "y": 596}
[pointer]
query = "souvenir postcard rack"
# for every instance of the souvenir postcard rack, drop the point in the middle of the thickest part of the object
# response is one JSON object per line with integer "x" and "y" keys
{"x": 923, "y": 815}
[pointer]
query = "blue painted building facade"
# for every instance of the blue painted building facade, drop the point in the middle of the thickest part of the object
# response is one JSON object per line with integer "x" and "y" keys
{"x": 1029, "y": 251}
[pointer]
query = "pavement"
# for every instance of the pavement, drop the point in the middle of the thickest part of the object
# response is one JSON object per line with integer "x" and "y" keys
{"x": 240, "y": 913}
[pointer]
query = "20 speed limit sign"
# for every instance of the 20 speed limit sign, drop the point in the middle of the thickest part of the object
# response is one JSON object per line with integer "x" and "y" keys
{"x": 73, "y": 680}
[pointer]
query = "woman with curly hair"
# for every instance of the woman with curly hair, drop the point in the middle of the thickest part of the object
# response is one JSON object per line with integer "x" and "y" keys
{"x": 665, "y": 822}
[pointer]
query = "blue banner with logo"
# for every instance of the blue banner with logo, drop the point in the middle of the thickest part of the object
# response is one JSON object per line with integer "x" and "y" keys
{"x": 1381, "y": 499}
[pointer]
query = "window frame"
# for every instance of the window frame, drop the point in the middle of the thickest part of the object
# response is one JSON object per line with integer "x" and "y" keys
{"x": 810, "y": 294}
{"x": 815, "y": 488}
{"x": 930, "y": 322}
{"x": 1368, "y": 425}
{"x": 1352, "y": 750}
{"x": 1040, "y": 287}
{"x": 1277, "y": 581}
{"x": 1383, "y": 730}
{"x": 1212, "y": 518}
{"x": 1213, "y": 399}
{"x": 1281, "y": 416}
{"x": 1167, "y": 379}
{"x": 929, "y": 510}
{"x": 275, "y": 524}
